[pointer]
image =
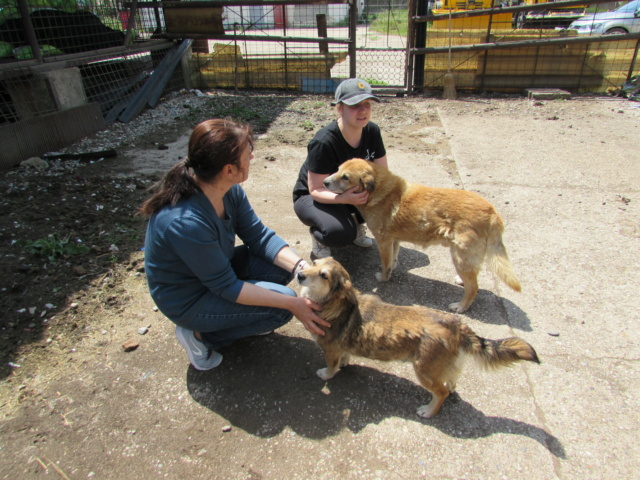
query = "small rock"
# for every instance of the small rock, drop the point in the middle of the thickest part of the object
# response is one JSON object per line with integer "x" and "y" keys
{"x": 553, "y": 333}
{"x": 143, "y": 330}
{"x": 130, "y": 345}
{"x": 79, "y": 270}
{"x": 226, "y": 428}
{"x": 35, "y": 162}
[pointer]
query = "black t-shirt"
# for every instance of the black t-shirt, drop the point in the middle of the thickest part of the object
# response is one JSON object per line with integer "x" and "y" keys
{"x": 328, "y": 150}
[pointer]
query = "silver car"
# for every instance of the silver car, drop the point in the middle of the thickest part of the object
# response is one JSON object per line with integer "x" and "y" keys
{"x": 625, "y": 19}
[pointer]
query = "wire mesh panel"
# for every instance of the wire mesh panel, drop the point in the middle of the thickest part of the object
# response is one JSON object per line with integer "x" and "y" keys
{"x": 491, "y": 49}
{"x": 381, "y": 42}
{"x": 58, "y": 27}
{"x": 301, "y": 47}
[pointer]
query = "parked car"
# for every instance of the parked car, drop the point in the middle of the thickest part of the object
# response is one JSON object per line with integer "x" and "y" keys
{"x": 625, "y": 19}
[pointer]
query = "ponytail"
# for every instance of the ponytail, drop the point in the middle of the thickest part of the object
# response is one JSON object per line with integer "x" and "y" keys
{"x": 177, "y": 184}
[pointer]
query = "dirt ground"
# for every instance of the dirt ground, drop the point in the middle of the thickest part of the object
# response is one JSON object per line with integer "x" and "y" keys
{"x": 76, "y": 404}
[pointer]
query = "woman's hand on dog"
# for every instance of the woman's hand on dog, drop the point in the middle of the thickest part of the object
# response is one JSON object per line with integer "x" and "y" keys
{"x": 305, "y": 311}
{"x": 352, "y": 197}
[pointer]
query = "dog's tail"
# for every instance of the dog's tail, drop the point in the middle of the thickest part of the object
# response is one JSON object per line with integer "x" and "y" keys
{"x": 496, "y": 353}
{"x": 497, "y": 257}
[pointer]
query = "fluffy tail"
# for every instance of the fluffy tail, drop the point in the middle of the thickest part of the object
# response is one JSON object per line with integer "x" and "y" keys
{"x": 497, "y": 255}
{"x": 496, "y": 353}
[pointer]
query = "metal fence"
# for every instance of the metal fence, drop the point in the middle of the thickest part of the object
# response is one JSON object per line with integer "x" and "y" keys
{"x": 512, "y": 48}
{"x": 111, "y": 58}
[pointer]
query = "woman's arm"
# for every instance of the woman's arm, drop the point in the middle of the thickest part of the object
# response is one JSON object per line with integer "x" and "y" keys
{"x": 289, "y": 260}
{"x": 382, "y": 161}
{"x": 302, "y": 308}
{"x": 322, "y": 194}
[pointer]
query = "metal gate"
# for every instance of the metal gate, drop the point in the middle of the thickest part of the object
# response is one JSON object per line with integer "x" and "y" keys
{"x": 381, "y": 42}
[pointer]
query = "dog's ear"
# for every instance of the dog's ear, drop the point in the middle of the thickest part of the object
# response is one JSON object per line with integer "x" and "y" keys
{"x": 368, "y": 182}
{"x": 349, "y": 292}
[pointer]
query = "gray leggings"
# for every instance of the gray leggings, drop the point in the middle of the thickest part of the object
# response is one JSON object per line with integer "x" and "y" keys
{"x": 334, "y": 225}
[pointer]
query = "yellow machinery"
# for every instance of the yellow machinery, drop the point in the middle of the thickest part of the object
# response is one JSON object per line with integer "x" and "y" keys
{"x": 468, "y": 23}
{"x": 547, "y": 18}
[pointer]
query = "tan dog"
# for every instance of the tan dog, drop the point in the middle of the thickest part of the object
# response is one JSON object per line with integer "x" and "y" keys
{"x": 435, "y": 342}
{"x": 399, "y": 211}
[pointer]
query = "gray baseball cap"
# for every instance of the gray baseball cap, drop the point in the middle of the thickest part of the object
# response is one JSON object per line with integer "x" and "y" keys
{"x": 353, "y": 91}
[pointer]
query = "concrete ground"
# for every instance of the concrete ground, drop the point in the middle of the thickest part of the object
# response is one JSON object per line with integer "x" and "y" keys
{"x": 565, "y": 179}
{"x": 564, "y": 176}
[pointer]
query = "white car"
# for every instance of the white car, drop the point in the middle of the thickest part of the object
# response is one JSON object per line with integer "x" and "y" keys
{"x": 625, "y": 19}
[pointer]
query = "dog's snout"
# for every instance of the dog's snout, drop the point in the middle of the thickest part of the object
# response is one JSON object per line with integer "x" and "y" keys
{"x": 326, "y": 182}
{"x": 301, "y": 276}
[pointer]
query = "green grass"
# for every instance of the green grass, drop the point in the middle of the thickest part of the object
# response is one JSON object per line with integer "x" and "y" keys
{"x": 374, "y": 82}
{"x": 55, "y": 247}
{"x": 307, "y": 125}
{"x": 392, "y": 22}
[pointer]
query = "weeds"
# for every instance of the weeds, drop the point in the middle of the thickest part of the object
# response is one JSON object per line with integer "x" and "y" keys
{"x": 307, "y": 125}
{"x": 391, "y": 22}
{"x": 55, "y": 247}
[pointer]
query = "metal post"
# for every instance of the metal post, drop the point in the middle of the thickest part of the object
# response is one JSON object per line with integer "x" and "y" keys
{"x": 29, "y": 30}
{"x": 408, "y": 60}
{"x": 421, "y": 42}
{"x": 353, "y": 19}
{"x": 632, "y": 66}
{"x": 486, "y": 54}
{"x": 321, "y": 22}
{"x": 131, "y": 24}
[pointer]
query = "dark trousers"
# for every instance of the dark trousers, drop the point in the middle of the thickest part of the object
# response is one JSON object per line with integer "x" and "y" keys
{"x": 333, "y": 225}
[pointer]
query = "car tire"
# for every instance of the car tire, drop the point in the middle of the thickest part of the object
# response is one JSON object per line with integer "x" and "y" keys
{"x": 616, "y": 31}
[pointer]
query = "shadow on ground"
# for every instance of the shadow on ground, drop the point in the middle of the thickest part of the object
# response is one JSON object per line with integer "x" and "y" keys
{"x": 408, "y": 288}
{"x": 279, "y": 390}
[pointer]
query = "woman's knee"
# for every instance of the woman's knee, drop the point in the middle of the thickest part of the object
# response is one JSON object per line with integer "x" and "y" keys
{"x": 339, "y": 237}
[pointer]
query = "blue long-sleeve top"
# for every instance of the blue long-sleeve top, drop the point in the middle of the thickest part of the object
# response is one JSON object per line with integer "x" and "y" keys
{"x": 188, "y": 251}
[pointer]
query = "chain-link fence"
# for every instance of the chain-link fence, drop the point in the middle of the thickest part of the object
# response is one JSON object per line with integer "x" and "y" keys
{"x": 578, "y": 46}
{"x": 106, "y": 60}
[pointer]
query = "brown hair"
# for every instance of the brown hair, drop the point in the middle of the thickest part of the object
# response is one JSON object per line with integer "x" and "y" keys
{"x": 212, "y": 145}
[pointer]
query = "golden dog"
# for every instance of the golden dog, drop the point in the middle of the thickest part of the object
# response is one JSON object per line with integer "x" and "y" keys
{"x": 399, "y": 211}
{"x": 435, "y": 342}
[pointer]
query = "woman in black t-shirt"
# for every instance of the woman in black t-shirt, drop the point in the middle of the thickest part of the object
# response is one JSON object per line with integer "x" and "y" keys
{"x": 333, "y": 218}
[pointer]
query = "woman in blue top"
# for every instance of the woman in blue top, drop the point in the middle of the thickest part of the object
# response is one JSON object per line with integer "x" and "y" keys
{"x": 216, "y": 292}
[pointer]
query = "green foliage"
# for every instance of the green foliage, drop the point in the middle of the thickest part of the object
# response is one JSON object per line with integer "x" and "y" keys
{"x": 54, "y": 247}
{"x": 307, "y": 125}
{"x": 373, "y": 81}
{"x": 391, "y": 22}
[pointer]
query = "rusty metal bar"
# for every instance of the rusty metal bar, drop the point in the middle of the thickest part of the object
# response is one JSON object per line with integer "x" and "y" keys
{"x": 526, "y": 43}
{"x": 520, "y": 8}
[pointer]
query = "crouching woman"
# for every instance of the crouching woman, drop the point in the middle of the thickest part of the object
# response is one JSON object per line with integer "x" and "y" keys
{"x": 214, "y": 291}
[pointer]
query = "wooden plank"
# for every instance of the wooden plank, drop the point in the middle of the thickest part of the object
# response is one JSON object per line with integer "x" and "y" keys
{"x": 194, "y": 20}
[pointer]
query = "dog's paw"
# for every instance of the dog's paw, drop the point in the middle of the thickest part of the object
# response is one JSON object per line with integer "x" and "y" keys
{"x": 426, "y": 411}
{"x": 458, "y": 280}
{"x": 455, "y": 307}
{"x": 381, "y": 278}
{"x": 325, "y": 374}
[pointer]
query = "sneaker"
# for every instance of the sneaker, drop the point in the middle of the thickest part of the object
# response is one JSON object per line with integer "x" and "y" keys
{"x": 318, "y": 250}
{"x": 200, "y": 356}
{"x": 362, "y": 240}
